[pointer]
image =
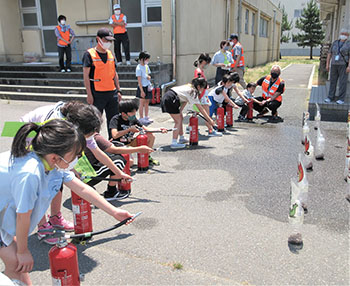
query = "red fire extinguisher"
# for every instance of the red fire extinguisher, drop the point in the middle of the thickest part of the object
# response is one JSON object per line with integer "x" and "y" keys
{"x": 121, "y": 185}
{"x": 194, "y": 130}
{"x": 157, "y": 94}
{"x": 142, "y": 158}
{"x": 154, "y": 100}
{"x": 64, "y": 264}
{"x": 81, "y": 214}
{"x": 229, "y": 116}
{"x": 220, "y": 118}
{"x": 250, "y": 110}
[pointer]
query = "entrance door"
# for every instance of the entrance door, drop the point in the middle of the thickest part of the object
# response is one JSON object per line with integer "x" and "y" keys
{"x": 48, "y": 20}
{"x": 133, "y": 9}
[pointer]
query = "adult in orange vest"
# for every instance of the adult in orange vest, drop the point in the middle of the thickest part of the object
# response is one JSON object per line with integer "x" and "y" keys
{"x": 118, "y": 22}
{"x": 65, "y": 36}
{"x": 272, "y": 89}
{"x": 100, "y": 76}
{"x": 238, "y": 58}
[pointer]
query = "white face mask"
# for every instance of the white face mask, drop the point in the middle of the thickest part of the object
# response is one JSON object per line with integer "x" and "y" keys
{"x": 343, "y": 37}
{"x": 63, "y": 22}
{"x": 70, "y": 165}
{"x": 231, "y": 44}
{"x": 105, "y": 45}
{"x": 205, "y": 67}
{"x": 117, "y": 12}
{"x": 146, "y": 62}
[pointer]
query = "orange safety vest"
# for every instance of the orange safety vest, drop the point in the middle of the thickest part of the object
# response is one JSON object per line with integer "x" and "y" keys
{"x": 64, "y": 35}
{"x": 118, "y": 29}
{"x": 267, "y": 93}
{"x": 104, "y": 73}
{"x": 241, "y": 60}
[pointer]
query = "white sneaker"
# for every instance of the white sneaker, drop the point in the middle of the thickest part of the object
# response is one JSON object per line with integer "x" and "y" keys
{"x": 327, "y": 100}
{"x": 183, "y": 141}
{"x": 128, "y": 63}
{"x": 214, "y": 133}
{"x": 177, "y": 146}
{"x": 63, "y": 70}
{"x": 150, "y": 120}
{"x": 119, "y": 63}
{"x": 69, "y": 70}
{"x": 339, "y": 101}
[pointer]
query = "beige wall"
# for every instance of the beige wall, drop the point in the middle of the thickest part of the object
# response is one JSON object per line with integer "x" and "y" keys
{"x": 10, "y": 34}
{"x": 152, "y": 36}
{"x": 32, "y": 41}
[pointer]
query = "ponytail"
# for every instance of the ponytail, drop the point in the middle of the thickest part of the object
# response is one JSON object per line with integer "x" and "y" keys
{"x": 195, "y": 63}
{"x": 19, "y": 146}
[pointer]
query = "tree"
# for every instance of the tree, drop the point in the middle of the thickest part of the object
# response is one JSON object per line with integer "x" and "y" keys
{"x": 310, "y": 25}
{"x": 285, "y": 26}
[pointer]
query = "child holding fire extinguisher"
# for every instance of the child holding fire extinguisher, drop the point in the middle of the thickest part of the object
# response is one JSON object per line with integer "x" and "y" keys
{"x": 30, "y": 177}
{"x": 174, "y": 102}
{"x": 125, "y": 124}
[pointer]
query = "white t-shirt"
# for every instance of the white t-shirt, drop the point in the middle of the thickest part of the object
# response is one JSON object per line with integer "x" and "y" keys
{"x": 143, "y": 71}
{"x": 184, "y": 93}
{"x": 217, "y": 95}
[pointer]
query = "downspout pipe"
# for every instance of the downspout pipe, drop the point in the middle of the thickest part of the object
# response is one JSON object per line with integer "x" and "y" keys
{"x": 173, "y": 47}
{"x": 227, "y": 24}
{"x": 239, "y": 28}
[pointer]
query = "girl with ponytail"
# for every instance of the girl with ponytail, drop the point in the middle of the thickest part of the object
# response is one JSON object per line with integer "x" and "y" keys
{"x": 30, "y": 177}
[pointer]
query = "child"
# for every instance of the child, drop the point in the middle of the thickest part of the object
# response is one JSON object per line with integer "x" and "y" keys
{"x": 202, "y": 63}
{"x": 89, "y": 120}
{"x": 248, "y": 96}
{"x": 144, "y": 88}
{"x": 125, "y": 124}
{"x": 113, "y": 152}
{"x": 65, "y": 36}
{"x": 219, "y": 95}
{"x": 174, "y": 102}
{"x": 29, "y": 179}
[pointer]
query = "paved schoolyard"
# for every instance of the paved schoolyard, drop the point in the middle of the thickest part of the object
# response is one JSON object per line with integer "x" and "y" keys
{"x": 221, "y": 209}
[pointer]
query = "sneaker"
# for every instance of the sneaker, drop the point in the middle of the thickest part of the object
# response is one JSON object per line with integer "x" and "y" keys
{"x": 63, "y": 70}
{"x": 150, "y": 120}
{"x": 69, "y": 70}
{"x": 328, "y": 100}
{"x": 183, "y": 141}
{"x": 143, "y": 121}
{"x": 153, "y": 161}
{"x": 42, "y": 235}
{"x": 59, "y": 222}
{"x": 177, "y": 146}
{"x": 128, "y": 63}
{"x": 119, "y": 63}
{"x": 339, "y": 101}
{"x": 115, "y": 196}
{"x": 214, "y": 133}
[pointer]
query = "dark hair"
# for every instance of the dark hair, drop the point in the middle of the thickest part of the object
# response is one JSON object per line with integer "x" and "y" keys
{"x": 225, "y": 78}
{"x": 85, "y": 116}
{"x": 199, "y": 82}
{"x": 234, "y": 77}
{"x": 251, "y": 84}
{"x": 202, "y": 57}
{"x": 143, "y": 56}
{"x": 129, "y": 105}
{"x": 223, "y": 43}
{"x": 61, "y": 17}
{"x": 56, "y": 136}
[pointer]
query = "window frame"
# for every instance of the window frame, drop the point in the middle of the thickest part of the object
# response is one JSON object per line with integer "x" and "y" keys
{"x": 152, "y": 23}
{"x": 246, "y": 23}
{"x": 29, "y": 10}
{"x": 264, "y": 29}
{"x": 253, "y": 23}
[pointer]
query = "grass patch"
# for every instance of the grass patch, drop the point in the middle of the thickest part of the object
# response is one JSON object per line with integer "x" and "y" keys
{"x": 178, "y": 266}
{"x": 253, "y": 74}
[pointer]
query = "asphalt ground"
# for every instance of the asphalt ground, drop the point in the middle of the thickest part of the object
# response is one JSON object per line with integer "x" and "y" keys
{"x": 220, "y": 210}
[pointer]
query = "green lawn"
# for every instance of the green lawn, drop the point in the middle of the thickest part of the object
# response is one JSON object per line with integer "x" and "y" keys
{"x": 253, "y": 74}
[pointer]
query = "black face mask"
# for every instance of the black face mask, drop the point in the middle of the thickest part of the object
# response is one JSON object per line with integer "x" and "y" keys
{"x": 274, "y": 75}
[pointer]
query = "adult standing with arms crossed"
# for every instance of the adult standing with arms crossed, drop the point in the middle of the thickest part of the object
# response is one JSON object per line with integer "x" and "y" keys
{"x": 339, "y": 65}
{"x": 100, "y": 76}
{"x": 238, "y": 58}
{"x": 65, "y": 36}
{"x": 118, "y": 22}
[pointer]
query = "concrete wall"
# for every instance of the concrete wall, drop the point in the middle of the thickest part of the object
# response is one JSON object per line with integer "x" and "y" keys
{"x": 10, "y": 32}
{"x": 152, "y": 39}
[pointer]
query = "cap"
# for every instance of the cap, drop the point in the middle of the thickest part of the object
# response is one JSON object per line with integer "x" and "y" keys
{"x": 233, "y": 36}
{"x": 116, "y": 6}
{"x": 105, "y": 33}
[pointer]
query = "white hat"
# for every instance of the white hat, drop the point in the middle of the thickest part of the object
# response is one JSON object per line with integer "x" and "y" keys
{"x": 116, "y": 6}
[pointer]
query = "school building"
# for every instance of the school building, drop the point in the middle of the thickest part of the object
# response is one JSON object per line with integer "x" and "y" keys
{"x": 173, "y": 31}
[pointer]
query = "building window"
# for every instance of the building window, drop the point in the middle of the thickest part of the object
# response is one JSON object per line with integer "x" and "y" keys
{"x": 253, "y": 23}
{"x": 29, "y": 13}
{"x": 246, "y": 24}
{"x": 154, "y": 15}
{"x": 297, "y": 13}
{"x": 263, "y": 28}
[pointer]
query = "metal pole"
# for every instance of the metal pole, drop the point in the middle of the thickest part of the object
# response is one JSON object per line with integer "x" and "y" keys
{"x": 273, "y": 33}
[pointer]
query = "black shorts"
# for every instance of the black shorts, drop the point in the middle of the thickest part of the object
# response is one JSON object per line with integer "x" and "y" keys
{"x": 170, "y": 103}
{"x": 145, "y": 89}
{"x": 103, "y": 171}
